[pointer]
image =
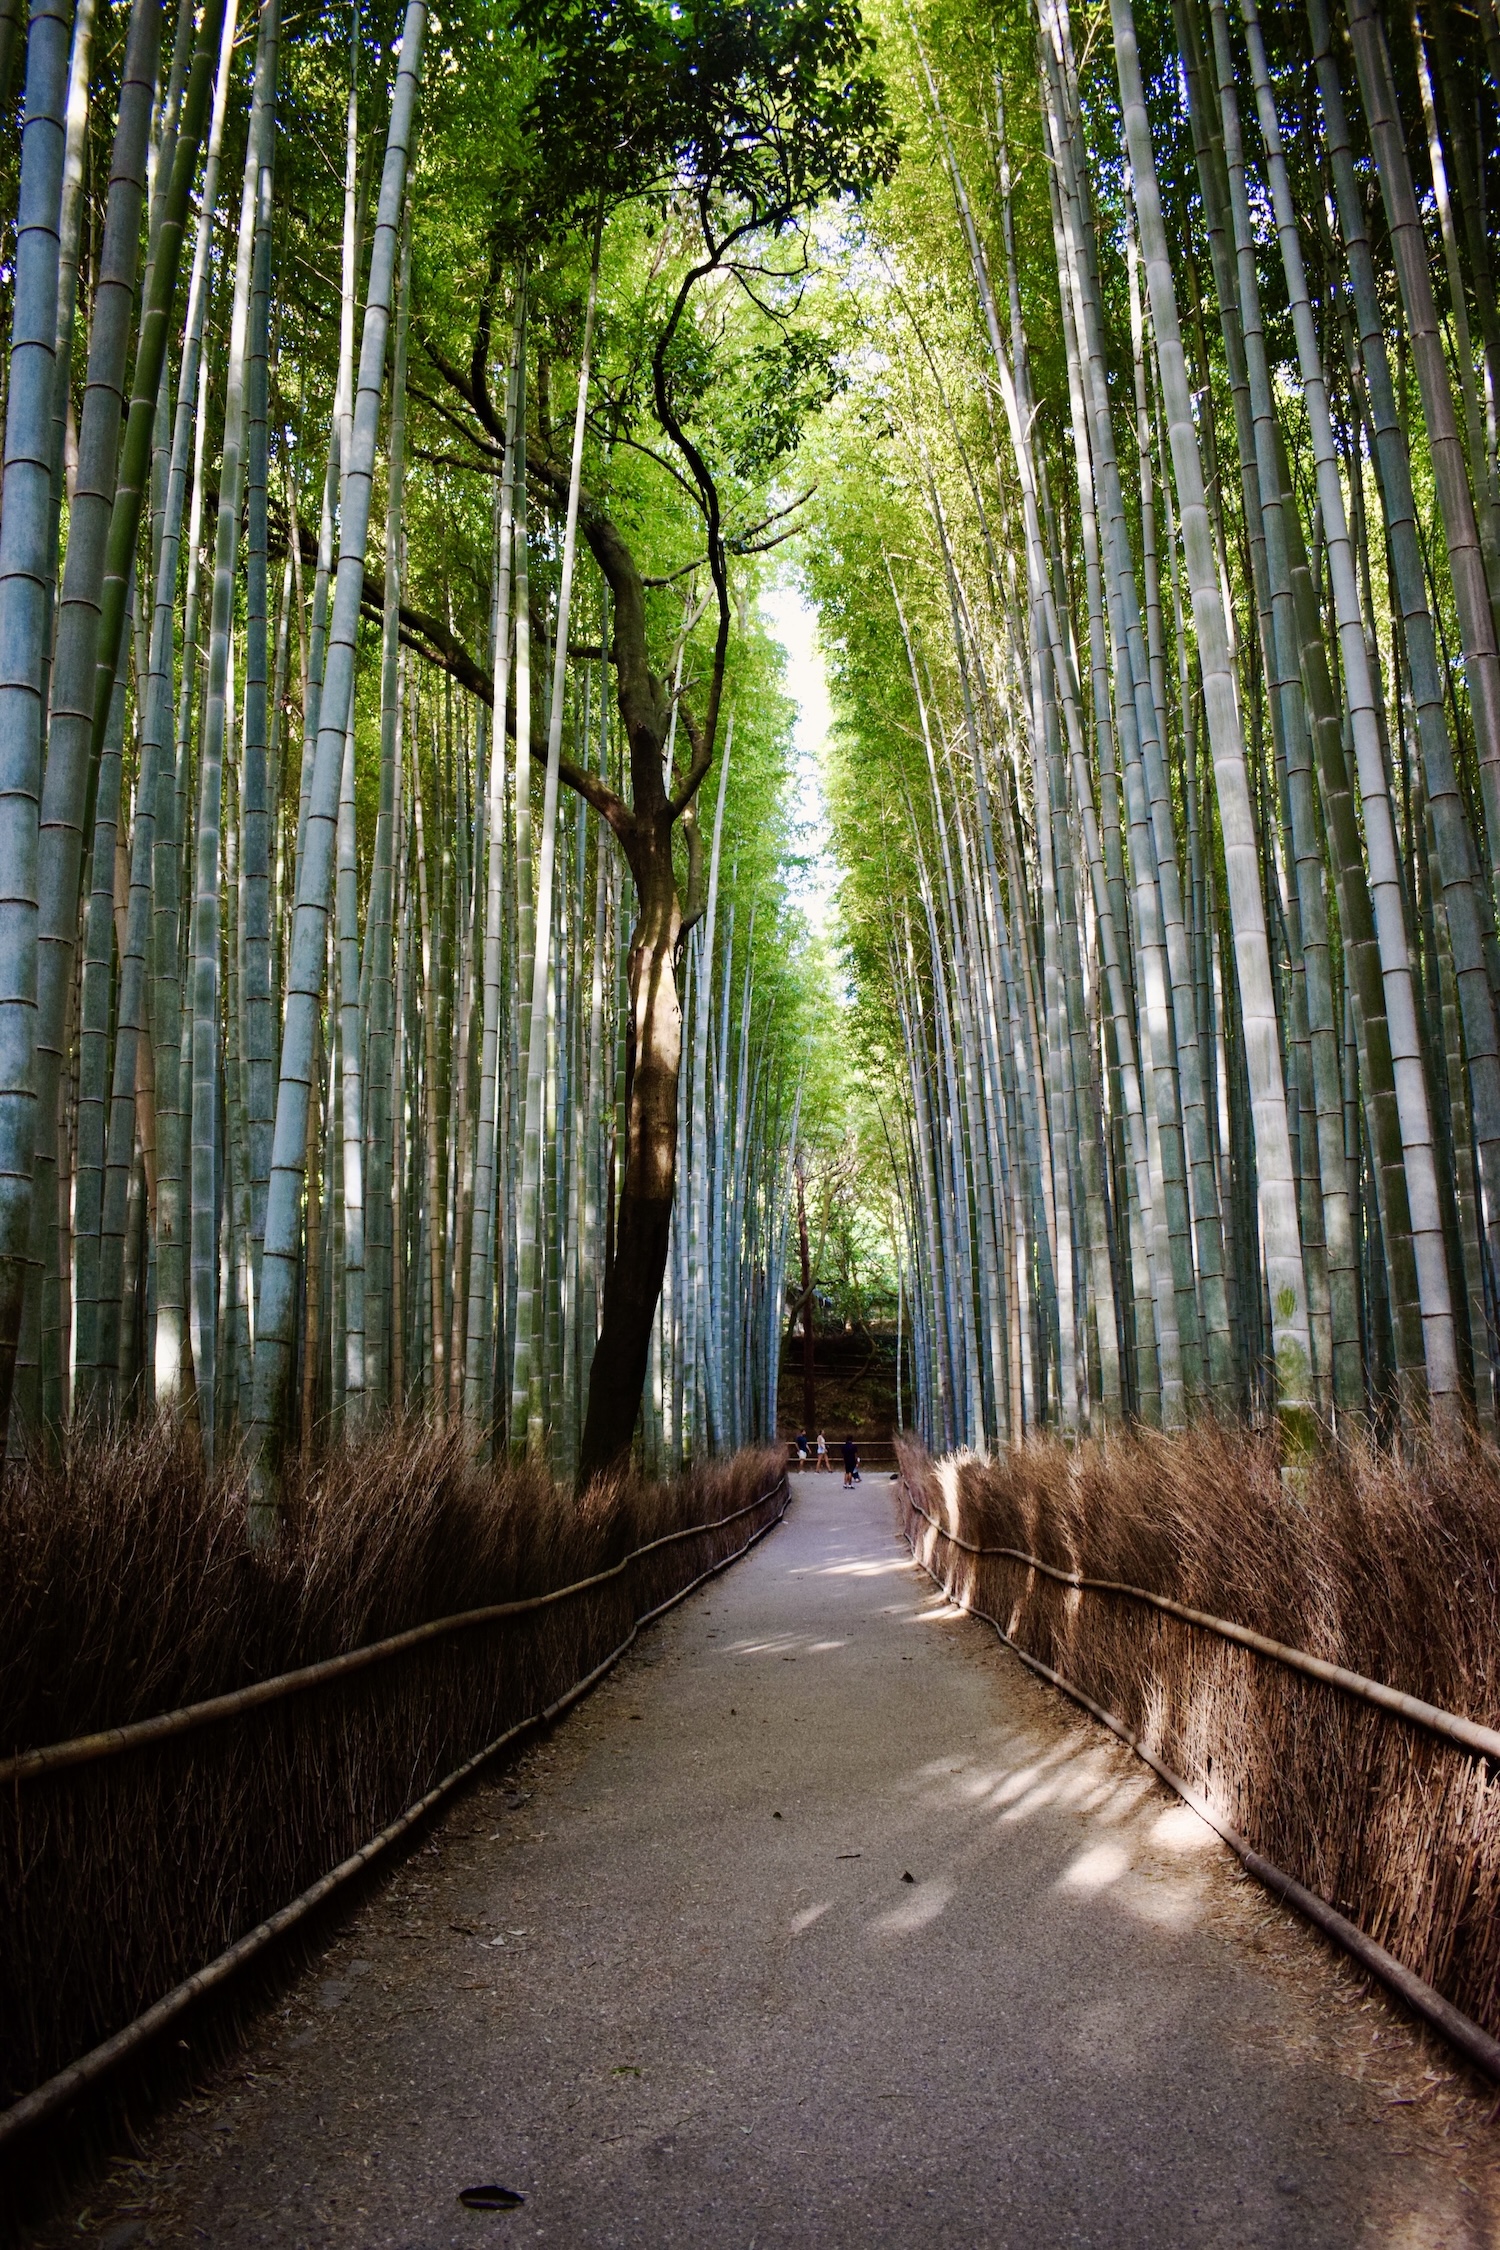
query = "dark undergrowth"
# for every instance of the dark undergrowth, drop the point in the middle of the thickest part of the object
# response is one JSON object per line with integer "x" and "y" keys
{"x": 1388, "y": 1567}
{"x": 127, "y": 1588}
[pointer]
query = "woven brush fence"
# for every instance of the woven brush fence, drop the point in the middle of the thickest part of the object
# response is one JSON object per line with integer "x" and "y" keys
{"x": 1387, "y": 1569}
{"x": 127, "y": 1591}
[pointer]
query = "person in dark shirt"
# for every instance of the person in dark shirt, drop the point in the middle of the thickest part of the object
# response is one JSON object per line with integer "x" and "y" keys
{"x": 851, "y": 1463}
{"x": 801, "y": 1449}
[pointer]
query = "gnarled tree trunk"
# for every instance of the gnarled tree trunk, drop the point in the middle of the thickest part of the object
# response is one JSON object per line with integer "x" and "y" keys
{"x": 643, "y": 1223}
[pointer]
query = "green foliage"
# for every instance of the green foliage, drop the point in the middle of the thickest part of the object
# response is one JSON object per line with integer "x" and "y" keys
{"x": 784, "y": 383}
{"x": 754, "y": 109}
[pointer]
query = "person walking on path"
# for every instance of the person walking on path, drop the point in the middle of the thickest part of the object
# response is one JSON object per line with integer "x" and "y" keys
{"x": 802, "y": 1449}
{"x": 851, "y": 1463}
{"x": 823, "y": 1460}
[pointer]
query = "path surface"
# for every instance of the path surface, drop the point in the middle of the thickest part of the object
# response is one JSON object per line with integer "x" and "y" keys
{"x": 822, "y": 1922}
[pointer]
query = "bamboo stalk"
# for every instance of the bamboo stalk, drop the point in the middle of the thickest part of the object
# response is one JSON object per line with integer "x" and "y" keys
{"x": 274, "y": 1338}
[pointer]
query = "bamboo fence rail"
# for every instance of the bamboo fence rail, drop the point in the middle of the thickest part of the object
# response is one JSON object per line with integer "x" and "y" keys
{"x": 137, "y": 1854}
{"x": 111, "y": 1741}
{"x": 1389, "y": 1849}
{"x": 1467, "y": 1733}
{"x": 1469, "y": 2038}
{"x": 76, "y": 2078}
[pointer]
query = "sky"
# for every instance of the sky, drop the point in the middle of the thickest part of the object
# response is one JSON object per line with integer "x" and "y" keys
{"x": 794, "y": 622}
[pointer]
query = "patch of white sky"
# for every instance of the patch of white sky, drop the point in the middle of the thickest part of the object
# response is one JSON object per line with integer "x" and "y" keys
{"x": 792, "y": 620}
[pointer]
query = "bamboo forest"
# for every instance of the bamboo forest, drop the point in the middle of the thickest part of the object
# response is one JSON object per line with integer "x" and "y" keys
{"x": 738, "y": 738}
{"x": 1155, "y": 534}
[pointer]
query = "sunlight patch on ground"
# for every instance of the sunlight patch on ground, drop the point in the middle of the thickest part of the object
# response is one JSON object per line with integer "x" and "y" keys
{"x": 1182, "y": 1830}
{"x": 857, "y": 1569}
{"x": 1058, "y": 1776}
{"x": 1079, "y": 1786}
{"x": 976, "y": 1786}
{"x": 1441, "y": 2229}
{"x": 783, "y": 1644}
{"x": 925, "y": 1904}
{"x": 1165, "y": 1905}
{"x": 808, "y": 1915}
{"x": 943, "y": 1613}
{"x": 1015, "y": 1785}
{"x": 1033, "y": 1800}
{"x": 1094, "y": 1869}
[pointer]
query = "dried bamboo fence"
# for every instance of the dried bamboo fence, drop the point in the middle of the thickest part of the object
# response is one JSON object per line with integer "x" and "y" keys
{"x": 133, "y": 1856}
{"x": 1287, "y": 1661}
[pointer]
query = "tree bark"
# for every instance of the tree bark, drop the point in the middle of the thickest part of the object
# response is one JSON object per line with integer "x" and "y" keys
{"x": 639, "y": 1242}
{"x": 644, "y": 1222}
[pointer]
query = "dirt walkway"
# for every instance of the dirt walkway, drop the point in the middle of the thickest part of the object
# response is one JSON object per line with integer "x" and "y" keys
{"x": 821, "y": 1923}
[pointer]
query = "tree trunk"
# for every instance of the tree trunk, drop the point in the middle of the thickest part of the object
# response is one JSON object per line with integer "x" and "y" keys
{"x": 644, "y": 1222}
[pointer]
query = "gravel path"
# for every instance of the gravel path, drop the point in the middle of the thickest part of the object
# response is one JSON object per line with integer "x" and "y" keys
{"x": 821, "y": 1922}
